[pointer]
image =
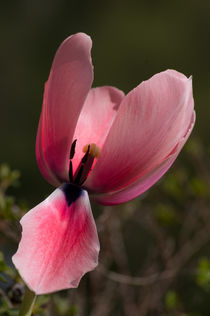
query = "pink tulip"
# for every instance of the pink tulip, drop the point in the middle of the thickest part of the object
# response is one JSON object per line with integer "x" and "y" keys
{"x": 124, "y": 145}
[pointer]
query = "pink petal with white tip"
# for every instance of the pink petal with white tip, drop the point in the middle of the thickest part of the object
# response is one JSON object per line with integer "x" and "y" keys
{"x": 59, "y": 241}
{"x": 151, "y": 121}
{"x": 69, "y": 82}
{"x": 96, "y": 118}
{"x": 147, "y": 180}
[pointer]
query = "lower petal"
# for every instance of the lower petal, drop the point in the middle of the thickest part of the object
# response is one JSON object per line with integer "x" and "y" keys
{"x": 59, "y": 241}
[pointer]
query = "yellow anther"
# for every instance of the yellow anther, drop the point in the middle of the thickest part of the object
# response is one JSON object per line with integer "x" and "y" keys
{"x": 94, "y": 150}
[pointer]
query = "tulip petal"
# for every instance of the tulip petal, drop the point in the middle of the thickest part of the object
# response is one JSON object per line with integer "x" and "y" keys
{"x": 151, "y": 121}
{"x": 69, "y": 82}
{"x": 96, "y": 118}
{"x": 59, "y": 241}
{"x": 147, "y": 180}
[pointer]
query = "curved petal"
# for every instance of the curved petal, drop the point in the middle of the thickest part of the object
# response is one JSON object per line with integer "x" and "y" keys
{"x": 147, "y": 180}
{"x": 150, "y": 122}
{"x": 69, "y": 82}
{"x": 96, "y": 118}
{"x": 59, "y": 241}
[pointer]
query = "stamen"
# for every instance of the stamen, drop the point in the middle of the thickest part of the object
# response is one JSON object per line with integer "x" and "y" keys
{"x": 78, "y": 176}
{"x": 85, "y": 157}
{"x": 94, "y": 150}
{"x": 87, "y": 168}
{"x": 71, "y": 156}
{"x": 91, "y": 152}
{"x": 72, "y": 150}
{"x": 71, "y": 172}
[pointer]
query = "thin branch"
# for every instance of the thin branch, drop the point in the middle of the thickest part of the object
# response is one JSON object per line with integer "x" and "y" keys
{"x": 186, "y": 252}
{"x": 136, "y": 281}
{"x": 6, "y": 298}
{"x": 8, "y": 231}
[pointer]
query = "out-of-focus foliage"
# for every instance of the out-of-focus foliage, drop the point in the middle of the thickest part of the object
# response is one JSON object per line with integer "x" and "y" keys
{"x": 171, "y": 300}
{"x": 154, "y": 256}
{"x": 203, "y": 277}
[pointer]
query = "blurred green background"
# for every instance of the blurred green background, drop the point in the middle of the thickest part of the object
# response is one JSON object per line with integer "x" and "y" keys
{"x": 132, "y": 40}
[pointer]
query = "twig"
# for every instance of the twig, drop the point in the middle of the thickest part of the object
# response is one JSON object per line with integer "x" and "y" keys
{"x": 6, "y": 229}
{"x": 186, "y": 252}
{"x": 6, "y": 298}
{"x": 136, "y": 281}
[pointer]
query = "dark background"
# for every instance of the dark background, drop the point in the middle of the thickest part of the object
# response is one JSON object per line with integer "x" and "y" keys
{"x": 154, "y": 257}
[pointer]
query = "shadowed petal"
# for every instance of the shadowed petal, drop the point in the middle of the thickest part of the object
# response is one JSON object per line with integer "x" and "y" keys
{"x": 69, "y": 81}
{"x": 96, "y": 118}
{"x": 151, "y": 121}
{"x": 59, "y": 241}
{"x": 147, "y": 180}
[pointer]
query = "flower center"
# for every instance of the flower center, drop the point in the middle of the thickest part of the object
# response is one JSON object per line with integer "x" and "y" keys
{"x": 91, "y": 151}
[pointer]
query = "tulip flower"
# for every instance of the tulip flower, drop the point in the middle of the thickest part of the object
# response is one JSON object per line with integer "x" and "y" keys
{"x": 100, "y": 142}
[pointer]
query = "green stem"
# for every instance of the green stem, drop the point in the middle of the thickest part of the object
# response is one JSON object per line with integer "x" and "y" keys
{"x": 28, "y": 303}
